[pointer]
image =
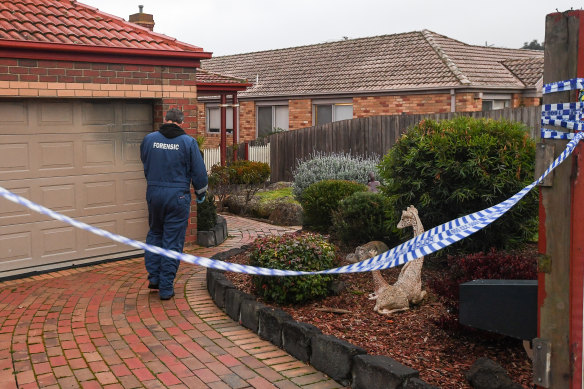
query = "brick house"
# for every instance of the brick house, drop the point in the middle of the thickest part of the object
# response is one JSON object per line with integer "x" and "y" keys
{"x": 410, "y": 73}
{"x": 79, "y": 89}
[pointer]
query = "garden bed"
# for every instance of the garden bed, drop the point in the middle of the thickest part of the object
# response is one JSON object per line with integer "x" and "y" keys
{"x": 426, "y": 338}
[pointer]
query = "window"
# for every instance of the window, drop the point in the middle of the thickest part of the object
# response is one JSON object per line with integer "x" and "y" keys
{"x": 489, "y": 105}
{"x": 214, "y": 119}
{"x": 270, "y": 118}
{"x": 332, "y": 112}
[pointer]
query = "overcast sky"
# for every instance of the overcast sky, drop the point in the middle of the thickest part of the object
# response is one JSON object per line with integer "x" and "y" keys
{"x": 240, "y": 26}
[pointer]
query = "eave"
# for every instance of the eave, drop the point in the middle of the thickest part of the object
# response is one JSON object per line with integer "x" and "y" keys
{"x": 102, "y": 54}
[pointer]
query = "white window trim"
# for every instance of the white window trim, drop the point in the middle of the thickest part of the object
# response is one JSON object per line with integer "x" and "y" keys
{"x": 207, "y": 118}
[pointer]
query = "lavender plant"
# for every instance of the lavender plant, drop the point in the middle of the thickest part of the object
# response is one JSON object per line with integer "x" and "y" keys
{"x": 335, "y": 166}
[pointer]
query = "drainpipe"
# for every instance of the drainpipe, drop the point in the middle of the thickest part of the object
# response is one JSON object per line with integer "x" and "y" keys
{"x": 452, "y": 100}
{"x": 223, "y": 144}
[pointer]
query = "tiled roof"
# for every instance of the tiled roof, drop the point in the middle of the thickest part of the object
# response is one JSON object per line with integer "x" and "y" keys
{"x": 207, "y": 81}
{"x": 68, "y": 22}
{"x": 528, "y": 70}
{"x": 408, "y": 61}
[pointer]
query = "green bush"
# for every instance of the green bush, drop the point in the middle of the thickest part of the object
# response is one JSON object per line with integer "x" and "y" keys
{"x": 455, "y": 167}
{"x": 363, "y": 217}
{"x": 206, "y": 214}
{"x": 304, "y": 252}
{"x": 320, "y": 199}
{"x": 239, "y": 177}
{"x": 332, "y": 167}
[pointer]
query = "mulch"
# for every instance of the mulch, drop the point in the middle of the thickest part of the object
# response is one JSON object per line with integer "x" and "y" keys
{"x": 427, "y": 337}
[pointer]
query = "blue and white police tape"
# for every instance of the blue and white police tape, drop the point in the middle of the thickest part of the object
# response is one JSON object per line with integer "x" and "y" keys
{"x": 560, "y": 86}
{"x": 569, "y": 124}
{"x": 552, "y": 134}
{"x": 424, "y": 244}
{"x": 562, "y": 107}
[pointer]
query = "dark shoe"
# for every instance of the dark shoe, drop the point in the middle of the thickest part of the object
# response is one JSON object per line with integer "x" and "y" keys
{"x": 152, "y": 286}
{"x": 167, "y": 297}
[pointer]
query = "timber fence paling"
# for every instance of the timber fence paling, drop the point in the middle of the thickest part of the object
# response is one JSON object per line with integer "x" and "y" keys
{"x": 368, "y": 136}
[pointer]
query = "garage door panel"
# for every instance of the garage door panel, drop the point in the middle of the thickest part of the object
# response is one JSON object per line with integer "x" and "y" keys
{"x": 77, "y": 157}
{"x": 57, "y": 241}
{"x": 99, "y": 153}
{"x": 32, "y": 245}
{"x": 16, "y": 247}
{"x": 60, "y": 198}
{"x": 100, "y": 116}
{"x": 12, "y": 212}
{"x": 14, "y": 157}
{"x": 56, "y": 155}
{"x": 100, "y": 194}
{"x": 14, "y": 115}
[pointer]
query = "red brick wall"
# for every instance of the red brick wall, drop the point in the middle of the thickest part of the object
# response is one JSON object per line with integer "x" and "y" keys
{"x": 300, "y": 113}
{"x": 166, "y": 86}
{"x": 530, "y": 101}
{"x": 393, "y": 105}
{"x": 466, "y": 102}
{"x": 247, "y": 127}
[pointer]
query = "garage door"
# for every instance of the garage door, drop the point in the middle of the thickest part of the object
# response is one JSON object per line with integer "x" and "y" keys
{"x": 77, "y": 157}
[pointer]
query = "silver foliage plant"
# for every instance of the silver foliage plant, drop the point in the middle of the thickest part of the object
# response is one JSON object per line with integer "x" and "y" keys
{"x": 335, "y": 166}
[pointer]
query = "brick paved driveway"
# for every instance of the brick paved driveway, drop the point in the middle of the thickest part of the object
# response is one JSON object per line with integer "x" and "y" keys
{"x": 101, "y": 327}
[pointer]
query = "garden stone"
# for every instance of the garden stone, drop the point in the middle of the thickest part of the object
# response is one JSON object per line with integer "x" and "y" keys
{"x": 487, "y": 374}
{"x": 212, "y": 276}
{"x": 334, "y": 357}
{"x": 337, "y": 287}
{"x": 370, "y": 371}
{"x": 270, "y": 323}
{"x": 296, "y": 339}
{"x": 221, "y": 287}
{"x": 249, "y": 314}
{"x": 233, "y": 299}
{"x": 416, "y": 383}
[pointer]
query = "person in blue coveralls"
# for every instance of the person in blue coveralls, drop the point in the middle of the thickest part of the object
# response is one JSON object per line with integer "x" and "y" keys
{"x": 172, "y": 161}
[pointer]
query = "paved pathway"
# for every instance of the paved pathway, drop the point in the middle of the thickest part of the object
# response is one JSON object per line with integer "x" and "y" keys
{"x": 101, "y": 327}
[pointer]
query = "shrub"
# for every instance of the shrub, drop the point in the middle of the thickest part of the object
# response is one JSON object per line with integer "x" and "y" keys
{"x": 331, "y": 167}
{"x": 305, "y": 252}
{"x": 497, "y": 265}
{"x": 321, "y": 198}
{"x": 245, "y": 177}
{"x": 363, "y": 217}
{"x": 207, "y": 214}
{"x": 455, "y": 167}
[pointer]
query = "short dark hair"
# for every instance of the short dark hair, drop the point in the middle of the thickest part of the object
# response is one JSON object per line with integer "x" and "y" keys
{"x": 175, "y": 115}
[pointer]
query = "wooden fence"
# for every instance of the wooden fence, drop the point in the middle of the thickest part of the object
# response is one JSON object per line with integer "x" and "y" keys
{"x": 371, "y": 136}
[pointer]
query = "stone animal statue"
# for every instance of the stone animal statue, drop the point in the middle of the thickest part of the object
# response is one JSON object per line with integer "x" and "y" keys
{"x": 408, "y": 287}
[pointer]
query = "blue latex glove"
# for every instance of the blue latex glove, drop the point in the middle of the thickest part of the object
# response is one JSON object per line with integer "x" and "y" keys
{"x": 201, "y": 197}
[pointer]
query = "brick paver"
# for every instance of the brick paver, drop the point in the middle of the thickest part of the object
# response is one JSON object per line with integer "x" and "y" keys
{"x": 101, "y": 327}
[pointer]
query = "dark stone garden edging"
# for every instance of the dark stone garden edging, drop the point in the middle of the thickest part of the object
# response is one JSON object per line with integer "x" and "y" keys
{"x": 347, "y": 364}
{"x": 213, "y": 237}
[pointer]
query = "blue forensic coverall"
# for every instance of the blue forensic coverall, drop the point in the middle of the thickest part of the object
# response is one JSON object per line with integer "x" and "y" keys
{"x": 172, "y": 161}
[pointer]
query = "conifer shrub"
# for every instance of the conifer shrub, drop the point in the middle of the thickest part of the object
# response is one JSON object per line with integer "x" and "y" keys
{"x": 334, "y": 166}
{"x": 363, "y": 217}
{"x": 207, "y": 213}
{"x": 320, "y": 199}
{"x": 304, "y": 252}
{"x": 452, "y": 168}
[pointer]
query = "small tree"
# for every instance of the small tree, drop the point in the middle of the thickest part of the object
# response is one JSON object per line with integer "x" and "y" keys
{"x": 452, "y": 168}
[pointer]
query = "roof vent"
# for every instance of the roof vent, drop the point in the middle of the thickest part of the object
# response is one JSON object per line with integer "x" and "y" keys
{"x": 143, "y": 19}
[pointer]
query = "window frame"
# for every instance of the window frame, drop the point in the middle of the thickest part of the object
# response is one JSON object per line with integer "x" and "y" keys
{"x": 229, "y": 115}
{"x": 272, "y": 105}
{"x": 332, "y": 103}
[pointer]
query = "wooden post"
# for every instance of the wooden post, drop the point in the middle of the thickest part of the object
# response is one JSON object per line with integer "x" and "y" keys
{"x": 235, "y": 116}
{"x": 223, "y": 143}
{"x": 561, "y": 214}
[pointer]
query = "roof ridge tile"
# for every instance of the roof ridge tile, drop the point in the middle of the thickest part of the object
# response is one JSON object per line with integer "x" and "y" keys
{"x": 445, "y": 58}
